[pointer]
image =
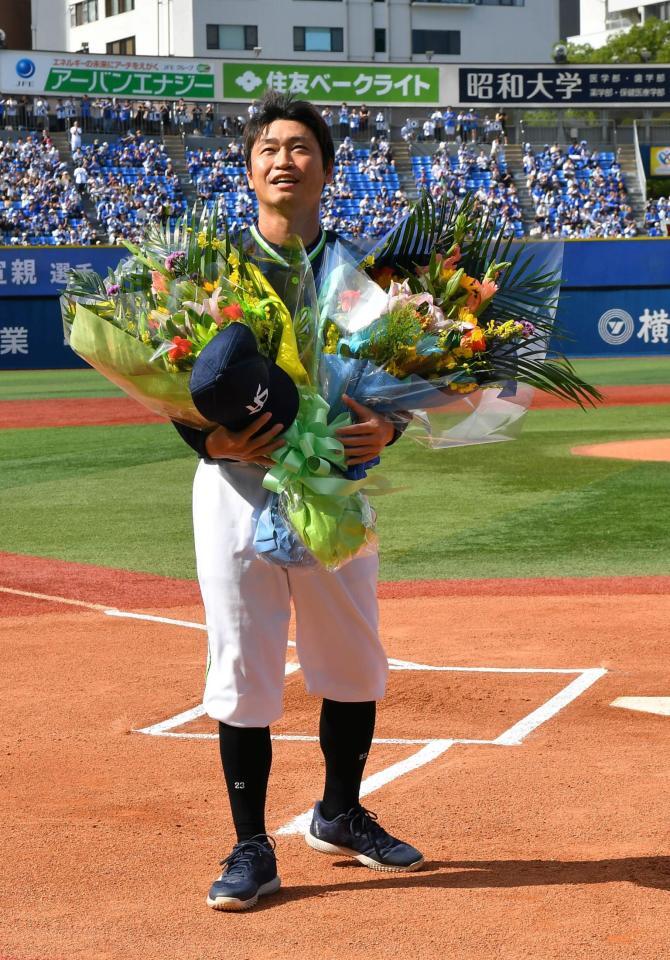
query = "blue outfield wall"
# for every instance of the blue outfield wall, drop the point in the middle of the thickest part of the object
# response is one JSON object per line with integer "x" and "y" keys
{"x": 615, "y": 300}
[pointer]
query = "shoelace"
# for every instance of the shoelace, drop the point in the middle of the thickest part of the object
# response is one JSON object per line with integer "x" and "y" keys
{"x": 363, "y": 823}
{"x": 243, "y": 854}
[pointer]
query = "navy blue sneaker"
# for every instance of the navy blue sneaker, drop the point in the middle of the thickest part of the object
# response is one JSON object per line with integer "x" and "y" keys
{"x": 250, "y": 872}
{"x": 357, "y": 834}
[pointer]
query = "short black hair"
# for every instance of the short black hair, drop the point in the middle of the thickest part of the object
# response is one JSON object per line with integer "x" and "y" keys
{"x": 283, "y": 106}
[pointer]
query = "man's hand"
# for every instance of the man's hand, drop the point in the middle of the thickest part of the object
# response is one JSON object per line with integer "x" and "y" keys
{"x": 366, "y": 439}
{"x": 249, "y": 446}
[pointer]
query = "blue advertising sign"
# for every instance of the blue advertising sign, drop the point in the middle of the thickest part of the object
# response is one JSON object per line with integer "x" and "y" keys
{"x": 615, "y": 299}
{"x": 618, "y": 322}
{"x": 31, "y": 336}
{"x": 42, "y": 271}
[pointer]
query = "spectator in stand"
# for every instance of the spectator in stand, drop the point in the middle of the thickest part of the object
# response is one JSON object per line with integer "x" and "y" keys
{"x": 428, "y": 130}
{"x": 85, "y": 111}
{"x": 364, "y": 120}
{"x": 380, "y": 123}
{"x": 354, "y": 123}
{"x": 438, "y": 125}
{"x": 75, "y": 136}
{"x": 501, "y": 118}
{"x": 80, "y": 177}
{"x": 209, "y": 120}
{"x": 327, "y": 115}
{"x": 344, "y": 121}
{"x": 460, "y": 126}
{"x": 11, "y": 112}
{"x": 41, "y": 113}
{"x": 449, "y": 124}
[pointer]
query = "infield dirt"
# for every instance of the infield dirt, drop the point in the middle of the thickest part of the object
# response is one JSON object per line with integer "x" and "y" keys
{"x": 556, "y": 848}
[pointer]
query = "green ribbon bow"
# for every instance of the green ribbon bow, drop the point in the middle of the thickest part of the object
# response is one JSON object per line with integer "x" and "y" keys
{"x": 311, "y": 451}
{"x": 325, "y": 509}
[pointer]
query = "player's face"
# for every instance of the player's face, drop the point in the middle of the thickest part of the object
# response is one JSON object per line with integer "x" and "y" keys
{"x": 287, "y": 167}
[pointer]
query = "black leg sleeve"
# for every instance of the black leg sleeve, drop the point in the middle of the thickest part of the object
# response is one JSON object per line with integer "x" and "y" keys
{"x": 246, "y": 755}
{"x": 345, "y": 734}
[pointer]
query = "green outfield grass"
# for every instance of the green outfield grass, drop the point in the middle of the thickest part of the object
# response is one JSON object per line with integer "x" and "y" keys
{"x": 120, "y": 496}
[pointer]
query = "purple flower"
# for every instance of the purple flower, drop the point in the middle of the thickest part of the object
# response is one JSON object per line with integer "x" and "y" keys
{"x": 113, "y": 289}
{"x": 174, "y": 260}
{"x": 527, "y": 328}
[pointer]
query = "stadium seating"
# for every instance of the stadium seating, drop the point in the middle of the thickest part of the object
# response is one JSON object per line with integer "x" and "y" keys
{"x": 454, "y": 175}
{"x": 132, "y": 183}
{"x": 578, "y": 193}
{"x": 40, "y": 203}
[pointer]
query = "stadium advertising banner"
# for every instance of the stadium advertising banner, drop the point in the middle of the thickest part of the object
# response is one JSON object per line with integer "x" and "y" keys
{"x": 65, "y": 74}
{"x": 331, "y": 83}
{"x": 163, "y": 78}
{"x": 564, "y": 85}
{"x": 31, "y": 280}
{"x": 659, "y": 162}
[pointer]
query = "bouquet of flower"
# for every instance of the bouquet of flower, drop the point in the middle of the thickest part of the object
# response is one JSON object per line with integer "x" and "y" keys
{"x": 147, "y": 323}
{"x": 440, "y": 311}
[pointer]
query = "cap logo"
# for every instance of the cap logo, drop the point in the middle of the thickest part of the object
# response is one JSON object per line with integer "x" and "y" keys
{"x": 260, "y": 400}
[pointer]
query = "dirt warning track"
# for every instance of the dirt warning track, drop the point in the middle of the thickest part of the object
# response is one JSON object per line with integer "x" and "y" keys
{"x": 542, "y": 813}
{"x": 116, "y": 411}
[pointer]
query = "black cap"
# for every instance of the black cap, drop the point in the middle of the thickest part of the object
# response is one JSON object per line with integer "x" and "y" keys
{"x": 233, "y": 384}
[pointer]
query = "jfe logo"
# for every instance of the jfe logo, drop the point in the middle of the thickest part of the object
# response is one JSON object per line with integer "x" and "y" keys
{"x": 25, "y": 68}
{"x": 260, "y": 400}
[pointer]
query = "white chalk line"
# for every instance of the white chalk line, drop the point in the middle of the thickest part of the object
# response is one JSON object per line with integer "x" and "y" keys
{"x": 514, "y": 736}
{"x": 426, "y": 754}
{"x": 518, "y": 733}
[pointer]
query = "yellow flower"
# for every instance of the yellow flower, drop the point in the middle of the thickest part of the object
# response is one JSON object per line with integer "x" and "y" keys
{"x": 202, "y": 239}
{"x": 465, "y": 316}
{"x": 208, "y": 287}
{"x": 369, "y": 261}
{"x": 446, "y": 273}
{"x": 469, "y": 283}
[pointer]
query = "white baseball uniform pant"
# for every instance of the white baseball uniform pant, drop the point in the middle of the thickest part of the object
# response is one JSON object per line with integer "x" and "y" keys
{"x": 248, "y": 604}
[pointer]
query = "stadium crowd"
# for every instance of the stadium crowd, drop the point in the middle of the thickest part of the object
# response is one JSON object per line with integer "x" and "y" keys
{"x": 480, "y": 171}
{"x": 127, "y": 180}
{"x": 40, "y": 202}
{"x": 131, "y": 182}
{"x": 577, "y": 192}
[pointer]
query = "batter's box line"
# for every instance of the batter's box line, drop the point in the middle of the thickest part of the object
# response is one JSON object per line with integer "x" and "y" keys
{"x": 429, "y": 749}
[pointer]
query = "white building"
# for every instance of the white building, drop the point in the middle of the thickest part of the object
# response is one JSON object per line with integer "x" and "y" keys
{"x": 601, "y": 19}
{"x": 444, "y": 31}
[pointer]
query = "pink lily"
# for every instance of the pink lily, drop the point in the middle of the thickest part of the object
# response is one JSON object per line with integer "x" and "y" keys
{"x": 209, "y": 306}
{"x": 400, "y": 295}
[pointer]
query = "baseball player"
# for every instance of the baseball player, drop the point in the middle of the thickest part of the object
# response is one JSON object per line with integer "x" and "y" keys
{"x": 289, "y": 156}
